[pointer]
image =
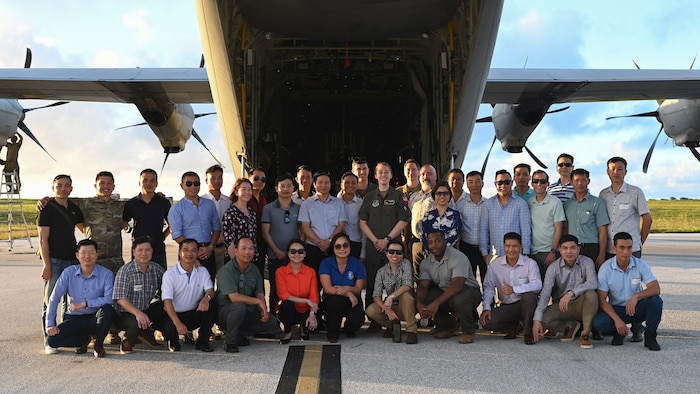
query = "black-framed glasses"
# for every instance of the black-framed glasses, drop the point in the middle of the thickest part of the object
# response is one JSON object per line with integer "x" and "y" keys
{"x": 287, "y": 219}
{"x": 297, "y": 251}
{"x": 501, "y": 183}
{"x": 536, "y": 181}
{"x": 565, "y": 164}
{"x": 394, "y": 251}
{"x": 260, "y": 179}
{"x": 190, "y": 183}
{"x": 341, "y": 246}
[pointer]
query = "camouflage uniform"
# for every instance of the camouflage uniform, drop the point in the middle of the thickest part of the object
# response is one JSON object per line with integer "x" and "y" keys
{"x": 103, "y": 224}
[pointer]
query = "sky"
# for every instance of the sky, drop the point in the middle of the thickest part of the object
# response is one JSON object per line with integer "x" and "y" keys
{"x": 533, "y": 34}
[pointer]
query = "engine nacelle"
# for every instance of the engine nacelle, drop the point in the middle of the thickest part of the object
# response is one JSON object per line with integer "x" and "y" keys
{"x": 514, "y": 123}
{"x": 11, "y": 114}
{"x": 171, "y": 123}
{"x": 681, "y": 120}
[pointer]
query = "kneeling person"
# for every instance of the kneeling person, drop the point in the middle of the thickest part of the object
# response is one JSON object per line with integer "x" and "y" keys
{"x": 396, "y": 278}
{"x": 188, "y": 299}
{"x": 241, "y": 297}
{"x": 571, "y": 282}
{"x": 446, "y": 286}
{"x": 89, "y": 288}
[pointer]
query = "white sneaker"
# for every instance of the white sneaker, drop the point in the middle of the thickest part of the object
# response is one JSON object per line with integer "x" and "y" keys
{"x": 50, "y": 350}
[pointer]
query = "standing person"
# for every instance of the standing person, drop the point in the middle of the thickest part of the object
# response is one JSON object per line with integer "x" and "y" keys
{"x": 304, "y": 179}
{"x": 89, "y": 290}
{"x": 547, "y": 219}
{"x": 136, "y": 286}
{"x": 194, "y": 217}
{"x": 563, "y": 189}
{"x": 626, "y": 205}
{"x": 396, "y": 280}
{"x": 587, "y": 218}
{"x": 411, "y": 170}
{"x": 257, "y": 202}
{"x": 361, "y": 170}
{"x": 149, "y": 211}
{"x": 501, "y": 214}
{"x": 455, "y": 180}
{"x": 279, "y": 226}
{"x": 188, "y": 298}
{"x": 298, "y": 293}
{"x": 214, "y": 177}
{"x": 342, "y": 278}
{"x": 57, "y": 224}
{"x": 321, "y": 217}
{"x": 517, "y": 279}
{"x": 470, "y": 213}
{"x": 348, "y": 194}
{"x": 521, "y": 176}
{"x": 442, "y": 217}
{"x": 12, "y": 161}
{"x": 622, "y": 297}
{"x": 571, "y": 282}
{"x": 240, "y": 219}
{"x": 383, "y": 216}
{"x": 447, "y": 290}
{"x": 420, "y": 203}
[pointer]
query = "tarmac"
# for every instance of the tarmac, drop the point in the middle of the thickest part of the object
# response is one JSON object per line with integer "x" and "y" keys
{"x": 368, "y": 363}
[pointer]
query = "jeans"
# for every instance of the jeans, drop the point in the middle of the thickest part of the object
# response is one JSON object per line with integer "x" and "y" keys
{"x": 57, "y": 267}
{"x": 76, "y": 329}
{"x": 647, "y": 310}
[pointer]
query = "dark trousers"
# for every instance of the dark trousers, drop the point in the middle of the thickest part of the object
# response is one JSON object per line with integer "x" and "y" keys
{"x": 289, "y": 316}
{"x": 127, "y": 322}
{"x": 373, "y": 261}
{"x": 75, "y": 330}
{"x": 591, "y": 251}
{"x": 506, "y": 317}
{"x": 355, "y": 249}
{"x": 237, "y": 321}
{"x": 272, "y": 266}
{"x": 459, "y": 309}
{"x": 159, "y": 258}
{"x": 647, "y": 310}
{"x": 192, "y": 319}
{"x": 210, "y": 265}
{"x": 336, "y": 307}
{"x": 314, "y": 256}
{"x": 475, "y": 258}
{"x": 539, "y": 258}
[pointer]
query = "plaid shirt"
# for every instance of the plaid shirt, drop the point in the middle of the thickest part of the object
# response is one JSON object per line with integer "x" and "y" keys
{"x": 386, "y": 281}
{"x": 136, "y": 286}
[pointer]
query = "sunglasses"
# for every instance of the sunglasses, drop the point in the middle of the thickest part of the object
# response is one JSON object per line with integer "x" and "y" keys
{"x": 190, "y": 183}
{"x": 442, "y": 194}
{"x": 501, "y": 183}
{"x": 565, "y": 165}
{"x": 341, "y": 246}
{"x": 394, "y": 251}
{"x": 286, "y": 217}
{"x": 259, "y": 179}
{"x": 297, "y": 251}
{"x": 536, "y": 181}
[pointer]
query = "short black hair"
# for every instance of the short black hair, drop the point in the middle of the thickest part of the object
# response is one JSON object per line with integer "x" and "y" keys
{"x": 621, "y": 235}
{"x": 86, "y": 242}
{"x": 141, "y": 240}
{"x": 473, "y": 173}
{"x": 523, "y": 165}
{"x": 617, "y": 159}
{"x": 580, "y": 171}
{"x": 284, "y": 177}
{"x": 104, "y": 173}
{"x": 188, "y": 241}
{"x": 513, "y": 235}
{"x": 149, "y": 171}
{"x": 502, "y": 172}
{"x": 568, "y": 238}
{"x": 188, "y": 173}
{"x": 541, "y": 172}
{"x": 565, "y": 156}
{"x": 213, "y": 169}
{"x": 456, "y": 171}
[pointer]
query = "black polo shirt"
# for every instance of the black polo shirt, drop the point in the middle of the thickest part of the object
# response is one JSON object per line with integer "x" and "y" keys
{"x": 61, "y": 222}
{"x": 149, "y": 219}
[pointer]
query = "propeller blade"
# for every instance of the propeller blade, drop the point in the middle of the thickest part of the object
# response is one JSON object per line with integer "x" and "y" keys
{"x": 693, "y": 63}
{"x": 198, "y": 138}
{"x": 483, "y": 168}
{"x": 29, "y": 134}
{"x": 167, "y": 154}
{"x": 652, "y": 113}
{"x": 694, "y": 152}
{"x": 201, "y": 62}
{"x": 538, "y": 161}
{"x": 133, "y": 125}
{"x": 559, "y": 110}
{"x": 28, "y": 58}
{"x": 645, "y": 166}
{"x": 484, "y": 120}
{"x": 206, "y": 114}
{"x": 46, "y": 106}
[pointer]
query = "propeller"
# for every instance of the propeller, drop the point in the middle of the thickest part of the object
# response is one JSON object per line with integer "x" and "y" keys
{"x": 196, "y": 136}
{"x": 645, "y": 166}
{"x": 25, "y": 110}
{"x": 28, "y": 58}
{"x": 29, "y": 134}
{"x": 532, "y": 155}
{"x": 652, "y": 114}
{"x": 694, "y": 152}
{"x": 483, "y": 168}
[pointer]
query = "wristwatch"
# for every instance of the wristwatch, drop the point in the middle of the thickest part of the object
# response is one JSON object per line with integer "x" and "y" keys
{"x": 388, "y": 238}
{"x": 571, "y": 293}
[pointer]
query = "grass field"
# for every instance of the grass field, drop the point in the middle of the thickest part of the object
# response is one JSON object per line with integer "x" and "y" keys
{"x": 670, "y": 216}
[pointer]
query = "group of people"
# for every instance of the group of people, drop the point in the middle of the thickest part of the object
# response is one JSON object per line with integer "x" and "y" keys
{"x": 415, "y": 250}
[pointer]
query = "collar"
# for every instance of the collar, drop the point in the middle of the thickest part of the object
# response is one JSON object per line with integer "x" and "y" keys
{"x": 632, "y": 264}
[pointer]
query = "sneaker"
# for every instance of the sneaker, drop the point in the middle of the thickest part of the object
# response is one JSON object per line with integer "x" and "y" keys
{"x": 618, "y": 340}
{"x": 637, "y": 336}
{"x": 570, "y": 332}
{"x": 549, "y": 334}
{"x": 50, "y": 350}
{"x": 231, "y": 348}
{"x": 411, "y": 338}
{"x": 466, "y": 338}
{"x": 585, "y": 341}
{"x": 650, "y": 341}
{"x": 125, "y": 347}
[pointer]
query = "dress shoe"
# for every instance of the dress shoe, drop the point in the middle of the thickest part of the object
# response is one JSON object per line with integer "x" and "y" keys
{"x": 585, "y": 341}
{"x": 374, "y": 327}
{"x": 53, "y": 350}
{"x": 287, "y": 338}
{"x": 529, "y": 339}
{"x": 230, "y": 348}
{"x": 549, "y": 334}
{"x": 174, "y": 346}
{"x": 303, "y": 333}
{"x": 99, "y": 351}
{"x": 445, "y": 333}
{"x": 618, "y": 340}
{"x": 596, "y": 334}
{"x": 650, "y": 341}
{"x": 83, "y": 348}
{"x": 570, "y": 332}
{"x": 412, "y": 338}
{"x": 637, "y": 336}
{"x": 189, "y": 337}
{"x": 148, "y": 337}
{"x": 512, "y": 334}
{"x": 205, "y": 347}
{"x": 125, "y": 346}
{"x": 465, "y": 338}
{"x": 332, "y": 340}
{"x": 243, "y": 341}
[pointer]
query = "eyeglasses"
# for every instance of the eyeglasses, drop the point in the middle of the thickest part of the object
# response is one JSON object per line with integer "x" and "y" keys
{"x": 297, "y": 251}
{"x": 190, "y": 183}
{"x": 287, "y": 219}
{"x": 341, "y": 246}
{"x": 259, "y": 178}
{"x": 442, "y": 194}
{"x": 501, "y": 183}
{"x": 394, "y": 251}
{"x": 565, "y": 164}
{"x": 87, "y": 253}
{"x": 536, "y": 181}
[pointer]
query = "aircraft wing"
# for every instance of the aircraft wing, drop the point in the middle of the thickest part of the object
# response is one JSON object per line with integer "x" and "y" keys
{"x": 516, "y": 85}
{"x": 121, "y": 85}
